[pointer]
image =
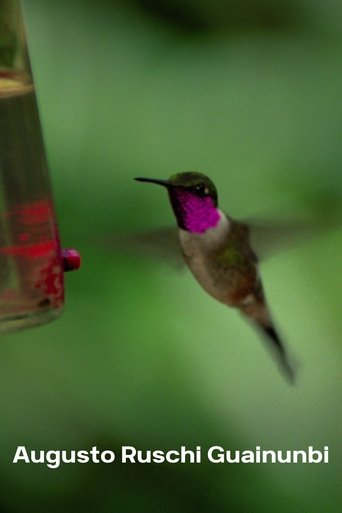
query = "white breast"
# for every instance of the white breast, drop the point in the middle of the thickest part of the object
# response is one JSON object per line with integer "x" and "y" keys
{"x": 194, "y": 244}
{"x": 195, "y": 249}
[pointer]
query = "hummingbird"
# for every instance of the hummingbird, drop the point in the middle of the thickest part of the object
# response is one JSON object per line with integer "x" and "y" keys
{"x": 218, "y": 252}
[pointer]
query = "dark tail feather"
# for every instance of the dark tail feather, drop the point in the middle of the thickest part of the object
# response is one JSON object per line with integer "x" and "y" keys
{"x": 279, "y": 348}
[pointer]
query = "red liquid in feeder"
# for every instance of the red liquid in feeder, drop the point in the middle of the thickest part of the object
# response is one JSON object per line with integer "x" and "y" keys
{"x": 31, "y": 275}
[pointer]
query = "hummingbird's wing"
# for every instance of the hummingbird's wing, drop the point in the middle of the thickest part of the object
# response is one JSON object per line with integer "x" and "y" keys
{"x": 270, "y": 238}
{"x": 320, "y": 214}
{"x": 161, "y": 245}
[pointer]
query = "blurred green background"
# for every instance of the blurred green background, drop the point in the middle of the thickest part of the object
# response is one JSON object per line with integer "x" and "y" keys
{"x": 248, "y": 92}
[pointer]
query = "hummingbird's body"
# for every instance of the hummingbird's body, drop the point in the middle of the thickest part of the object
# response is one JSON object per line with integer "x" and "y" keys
{"x": 217, "y": 250}
{"x": 223, "y": 265}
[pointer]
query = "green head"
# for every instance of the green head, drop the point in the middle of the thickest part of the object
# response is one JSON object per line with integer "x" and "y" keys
{"x": 193, "y": 198}
{"x": 196, "y": 183}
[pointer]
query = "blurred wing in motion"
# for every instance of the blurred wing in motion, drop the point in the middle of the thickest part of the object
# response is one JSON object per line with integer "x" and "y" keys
{"x": 321, "y": 215}
{"x": 161, "y": 245}
{"x": 269, "y": 238}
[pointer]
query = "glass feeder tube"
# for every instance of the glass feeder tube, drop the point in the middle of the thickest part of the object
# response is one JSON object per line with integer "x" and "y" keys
{"x": 31, "y": 261}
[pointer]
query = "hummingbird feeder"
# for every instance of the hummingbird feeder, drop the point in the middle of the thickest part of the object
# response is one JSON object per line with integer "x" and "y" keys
{"x": 32, "y": 263}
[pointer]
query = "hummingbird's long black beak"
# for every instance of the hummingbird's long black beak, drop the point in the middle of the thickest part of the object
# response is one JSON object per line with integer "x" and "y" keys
{"x": 165, "y": 183}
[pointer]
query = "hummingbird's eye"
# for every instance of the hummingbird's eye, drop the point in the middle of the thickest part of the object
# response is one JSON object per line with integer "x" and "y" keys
{"x": 201, "y": 189}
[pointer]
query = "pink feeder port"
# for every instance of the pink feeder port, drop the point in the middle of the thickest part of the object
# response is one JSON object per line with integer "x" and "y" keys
{"x": 71, "y": 260}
